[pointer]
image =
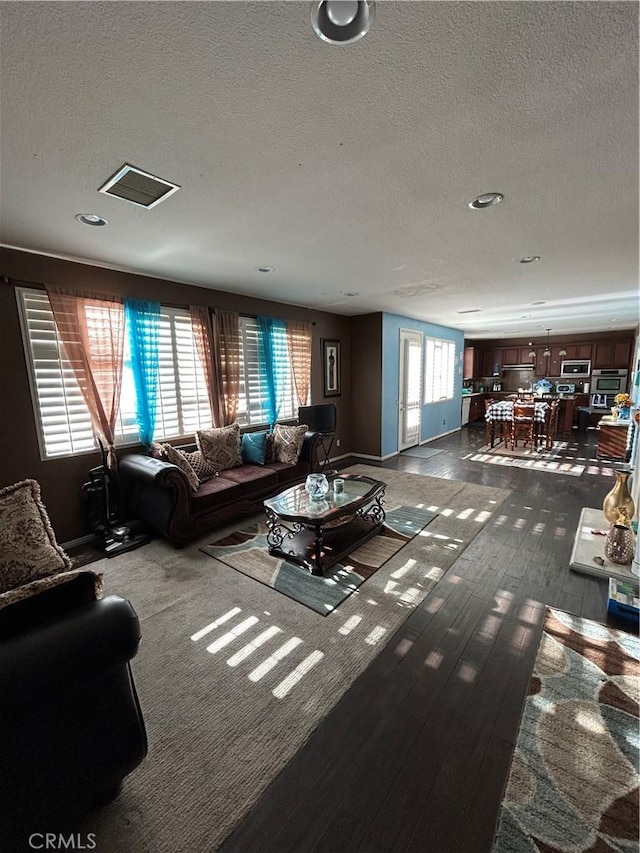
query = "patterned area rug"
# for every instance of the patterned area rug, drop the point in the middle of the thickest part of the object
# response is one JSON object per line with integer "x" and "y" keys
{"x": 573, "y": 784}
{"x": 553, "y": 461}
{"x": 246, "y": 550}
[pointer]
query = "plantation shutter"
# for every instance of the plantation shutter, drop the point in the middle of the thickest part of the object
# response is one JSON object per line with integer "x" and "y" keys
{"x": 439, "y": 370}
{"x": 252, "y": 408}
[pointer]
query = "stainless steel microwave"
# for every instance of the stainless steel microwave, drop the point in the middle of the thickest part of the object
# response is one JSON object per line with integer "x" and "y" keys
{"x": 609, "y": 381}
{"x": 575, "y": 368}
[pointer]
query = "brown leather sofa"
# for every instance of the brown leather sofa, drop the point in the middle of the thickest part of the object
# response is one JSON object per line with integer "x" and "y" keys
{"x": 158, "y": 493}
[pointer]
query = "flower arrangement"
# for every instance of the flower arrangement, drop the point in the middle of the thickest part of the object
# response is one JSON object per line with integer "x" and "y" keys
{"x": 622, "y": 400}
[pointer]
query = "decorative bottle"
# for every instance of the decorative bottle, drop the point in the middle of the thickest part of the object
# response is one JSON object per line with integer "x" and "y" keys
{"x": 618, "y": 497}
{"x": 619, "y": 544}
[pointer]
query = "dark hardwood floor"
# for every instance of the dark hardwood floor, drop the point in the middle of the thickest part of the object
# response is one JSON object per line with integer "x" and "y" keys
{"x": 414, "y": 757}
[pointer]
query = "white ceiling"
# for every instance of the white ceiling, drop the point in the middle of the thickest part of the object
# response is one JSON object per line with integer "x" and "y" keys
{"x": 347, "y": 168}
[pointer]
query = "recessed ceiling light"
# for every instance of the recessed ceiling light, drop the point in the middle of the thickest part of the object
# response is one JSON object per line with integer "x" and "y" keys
{"x": 265, "y": 269}
{"x": 486, "y": 200}
{"x": 542, "y": 302}
{"x": 529, "y": 259}
{"x": 342, "y": 21}
{"x": 526, "y": 316}
{"x": 470, "y": 311}
{"x": 90, "y": 219}
{"x": 351, "y": 293}
{"x": 613, "y": 320}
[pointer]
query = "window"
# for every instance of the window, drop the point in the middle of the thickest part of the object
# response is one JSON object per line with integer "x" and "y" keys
{"x": 252, "y": 408}
{"x": 64, "y": 425}
{"x": 439, "y": 370}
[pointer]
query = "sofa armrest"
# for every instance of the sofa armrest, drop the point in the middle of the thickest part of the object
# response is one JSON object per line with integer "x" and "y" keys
{"x": 150, "y": 470}
{"x": 158, "y": 494}
{"x": 309, "y": 451}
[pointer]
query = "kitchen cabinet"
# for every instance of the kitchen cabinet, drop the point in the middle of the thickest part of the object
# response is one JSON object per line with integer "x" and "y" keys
{"x": 511, "y": 355}
{"x": 577, "y": 351}
{"x": 472, "y": 363}
{"x": 611, "y": 354}
{"x": 542, "y": 363}
{"x": 491, "y": 358}
{"x": 524, "y": 357}
{"x": 476, "y": 410}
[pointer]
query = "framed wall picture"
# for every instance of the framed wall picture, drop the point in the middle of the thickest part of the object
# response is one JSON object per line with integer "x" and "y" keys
{"x": 331, "y": 367}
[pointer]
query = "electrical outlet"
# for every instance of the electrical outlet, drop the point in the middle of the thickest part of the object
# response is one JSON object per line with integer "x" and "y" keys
{"x": 337, "y": 442}
{"x": 444, "y": 423}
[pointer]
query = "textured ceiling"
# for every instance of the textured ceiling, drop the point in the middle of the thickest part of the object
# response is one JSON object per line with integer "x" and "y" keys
{"x": 347, "y": 168}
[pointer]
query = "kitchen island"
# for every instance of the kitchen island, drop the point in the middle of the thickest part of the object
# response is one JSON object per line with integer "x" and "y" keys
{"x": 614, "y": 438}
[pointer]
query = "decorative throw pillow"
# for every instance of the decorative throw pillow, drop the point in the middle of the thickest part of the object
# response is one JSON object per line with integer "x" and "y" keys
{"x": 203, "y": 468}
{"x": 268, "y": 451}
{"x": 177, "y": 458}
{"x": 220, "y": 446}
{"x": 254, "y": 447}
{"x": 287, "y": 442}
{"x": 28, "y": 547}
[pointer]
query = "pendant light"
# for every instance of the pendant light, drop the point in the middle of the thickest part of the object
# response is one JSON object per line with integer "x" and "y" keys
{"x": 547, "y": 349}
{"x": 562, "y": 351}
{"x": 532, "y": 352}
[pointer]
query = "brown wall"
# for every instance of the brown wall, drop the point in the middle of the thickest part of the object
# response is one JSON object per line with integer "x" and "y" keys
{"x": 366, "y": 384}
{"x": 61, "y": 479}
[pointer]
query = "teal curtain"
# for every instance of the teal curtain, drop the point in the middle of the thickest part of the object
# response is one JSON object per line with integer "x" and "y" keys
{"x": 143, "y": 329}
{"x": 273, "y": 362}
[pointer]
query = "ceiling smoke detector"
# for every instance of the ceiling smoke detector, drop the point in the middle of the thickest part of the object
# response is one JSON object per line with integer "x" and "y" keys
{"x": 342, "y": 21}
{"x": 138, "y": 187}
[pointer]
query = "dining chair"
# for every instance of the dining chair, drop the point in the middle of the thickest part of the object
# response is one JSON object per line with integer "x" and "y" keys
{"x": 523, "y": 424}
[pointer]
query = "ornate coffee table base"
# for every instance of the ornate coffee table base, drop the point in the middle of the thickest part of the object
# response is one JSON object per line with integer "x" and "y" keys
{"x": 319, "y": 544}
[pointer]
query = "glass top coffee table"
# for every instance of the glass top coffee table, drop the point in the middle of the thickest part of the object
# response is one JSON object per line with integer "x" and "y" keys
{"x": 316, "y": 534}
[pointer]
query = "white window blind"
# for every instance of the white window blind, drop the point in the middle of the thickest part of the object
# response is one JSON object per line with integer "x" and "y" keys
{"x": 439, "y": 370}
{"x": 64, "y": 425}
{"x": 252, "y": 403}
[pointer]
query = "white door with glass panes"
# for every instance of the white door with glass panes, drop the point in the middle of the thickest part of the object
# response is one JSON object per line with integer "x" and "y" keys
{"x": 410, "y": 397}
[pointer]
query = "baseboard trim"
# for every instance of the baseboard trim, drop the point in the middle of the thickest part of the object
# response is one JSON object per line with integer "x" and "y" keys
{"x": 75, "y": 543}
{"x": 374, "y": 458}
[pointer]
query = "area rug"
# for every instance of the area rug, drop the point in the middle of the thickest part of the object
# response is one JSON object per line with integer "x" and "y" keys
{"x": 233, "y": 679}
{"x": 553, "y": 461}
{"x": 422, "y": 452}
{"x": 246, "y": 550}
{"x": 573, "y": 784}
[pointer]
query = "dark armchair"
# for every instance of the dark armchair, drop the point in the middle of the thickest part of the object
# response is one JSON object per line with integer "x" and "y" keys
{"x": 71, "y": 723}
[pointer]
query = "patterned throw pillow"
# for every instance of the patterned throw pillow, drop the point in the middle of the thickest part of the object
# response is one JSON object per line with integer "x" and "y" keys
{"x": 287, "y": 442}
{"x": 268, "y": 450}
{"x": 28, "y": 547}
{"x": 203, "y": 468}
{"x": 220, "y": 446}
{"x": 177, "y": 458}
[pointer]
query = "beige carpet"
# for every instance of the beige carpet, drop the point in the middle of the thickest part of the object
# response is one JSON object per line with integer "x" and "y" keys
{"x": 224, "y": 713}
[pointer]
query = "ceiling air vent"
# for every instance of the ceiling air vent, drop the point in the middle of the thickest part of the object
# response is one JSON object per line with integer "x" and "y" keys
{"x": 138, "y": 187}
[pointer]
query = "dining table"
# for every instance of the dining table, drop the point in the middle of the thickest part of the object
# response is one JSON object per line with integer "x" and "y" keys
{"x": 502, "y": 411}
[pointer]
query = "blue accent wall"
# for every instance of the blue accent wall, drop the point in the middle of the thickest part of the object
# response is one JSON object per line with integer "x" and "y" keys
{"x": 437, "y": 418}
